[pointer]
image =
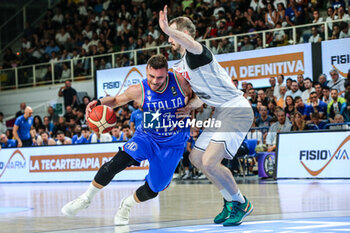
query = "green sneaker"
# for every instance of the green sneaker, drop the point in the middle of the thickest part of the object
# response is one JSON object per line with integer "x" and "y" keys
{"x": 225, "y": 213}
{"x": 238, "y": 213}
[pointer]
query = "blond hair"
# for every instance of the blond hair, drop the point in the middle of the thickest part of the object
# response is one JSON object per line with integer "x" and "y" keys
{"x": 184, "y": 24}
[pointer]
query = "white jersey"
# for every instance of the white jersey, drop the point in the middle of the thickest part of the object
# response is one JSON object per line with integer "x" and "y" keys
{"x": 210, "y": 82}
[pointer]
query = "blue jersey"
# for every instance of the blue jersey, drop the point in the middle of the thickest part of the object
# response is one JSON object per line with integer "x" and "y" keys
{"x": 159, "y": 108}
{"x": 24, "y": 126}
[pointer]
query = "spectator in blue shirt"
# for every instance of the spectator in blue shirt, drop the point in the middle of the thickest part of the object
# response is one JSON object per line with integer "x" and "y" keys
{"x": 135, "y": 119}
{"x": 316, "y": 122}
{"x": 318, "y": 105}
{"x": 117, "y": 135}
{"x": 304, "y": 109}
{"x": 7, "y": 143}
{"x": 84, "y": 138}
{"x": 21, "y": 129}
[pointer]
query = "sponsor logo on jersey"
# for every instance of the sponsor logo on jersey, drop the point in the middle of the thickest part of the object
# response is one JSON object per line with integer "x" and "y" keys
{"x": 173, "y": 90}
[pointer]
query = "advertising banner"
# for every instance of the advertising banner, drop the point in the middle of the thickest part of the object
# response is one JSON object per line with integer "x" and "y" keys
{"x": 336, "y": 55}
{"x": 62, "y": 163}
{"x": 313, "y": 155}
{"x": 255, "y": 66}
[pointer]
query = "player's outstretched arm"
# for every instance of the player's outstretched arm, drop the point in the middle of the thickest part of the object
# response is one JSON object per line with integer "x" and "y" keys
{"x": 182, "y": 38}
{"x": 133, "y": 93}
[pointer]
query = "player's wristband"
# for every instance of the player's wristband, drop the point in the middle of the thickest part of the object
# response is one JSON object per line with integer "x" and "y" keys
{"x": 98, "y": 102}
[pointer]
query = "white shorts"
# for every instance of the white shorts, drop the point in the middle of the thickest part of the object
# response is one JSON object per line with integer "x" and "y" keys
{"x": 236, "y": 119}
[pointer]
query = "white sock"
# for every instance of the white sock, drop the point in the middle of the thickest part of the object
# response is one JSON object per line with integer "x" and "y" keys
{"x": 226, "y": 195}
{"x": 238, "y": 197}
{"x": 130, "y": 201}
{"x": 91, "y": 192}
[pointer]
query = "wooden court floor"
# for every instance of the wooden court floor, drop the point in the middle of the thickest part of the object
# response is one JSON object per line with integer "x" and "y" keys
{"x": 35, "y": 207}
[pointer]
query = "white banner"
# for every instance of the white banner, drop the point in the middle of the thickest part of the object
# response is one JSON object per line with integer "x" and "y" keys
{"x": 255, "y": 66}
{"x": 336, "y": 54}
{"x": 313, "y": 155}
{"x": 62, "y": 163}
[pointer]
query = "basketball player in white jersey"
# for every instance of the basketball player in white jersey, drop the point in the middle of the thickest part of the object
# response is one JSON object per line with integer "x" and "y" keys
{"x": 212, "y": 85}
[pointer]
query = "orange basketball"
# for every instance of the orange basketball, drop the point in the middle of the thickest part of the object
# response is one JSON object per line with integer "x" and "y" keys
{"x": 102, "y": 119}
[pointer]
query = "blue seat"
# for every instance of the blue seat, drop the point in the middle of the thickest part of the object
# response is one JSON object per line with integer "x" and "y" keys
{"x": 251, "y": 146}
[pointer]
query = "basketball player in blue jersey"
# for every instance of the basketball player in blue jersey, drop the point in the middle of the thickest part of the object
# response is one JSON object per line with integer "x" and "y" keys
{"x": 213, "y": 86}
{"x": 160, "y": 95}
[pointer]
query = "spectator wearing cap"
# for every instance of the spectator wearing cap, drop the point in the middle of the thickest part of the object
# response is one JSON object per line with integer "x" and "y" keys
{"x": 303, "y": 108}
{"x": 335, "y": 106}
{"x": 282, "y": 125}
{"x": 7, "y": 143}
{"x": 336, "y": 82}
{"x": 308, "y": 89}
{"x": 294, "y": 91}
{"x": 3, "y": 127}
{"x": 21, "y": 128}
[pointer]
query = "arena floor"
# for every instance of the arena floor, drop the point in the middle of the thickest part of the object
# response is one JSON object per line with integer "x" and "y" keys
{"x": 279, "y": 206}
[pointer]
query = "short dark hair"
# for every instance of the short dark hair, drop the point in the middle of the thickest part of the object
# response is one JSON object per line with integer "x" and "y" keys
{"x": 308, "y": 79}
{"x": 297, "y": 98}
{"x": 315, "y": 115}
{"x": 158, "y": 62}
{"x": 59, "y": 132}
{"x": 313, "y": 92}
{"x": 1, "y": 114}
{"x": 289, "y": 79}
{"x": 125, "y": 127}
{"x": 326, "y": 88}
{"x": 85, "y": 128}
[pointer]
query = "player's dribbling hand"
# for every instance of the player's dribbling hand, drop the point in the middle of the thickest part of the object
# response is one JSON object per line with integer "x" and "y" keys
{"x": 163, "y": 19}
{"x": 89, "y": 108}
{"x": 184, "y": 112}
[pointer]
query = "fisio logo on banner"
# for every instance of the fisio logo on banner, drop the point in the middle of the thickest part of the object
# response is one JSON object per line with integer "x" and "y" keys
{"x": 340, "y": 60}
{"x": 18, "y": 162}
{"x": 307, "y": 156}
{"x": 127, "y": 83}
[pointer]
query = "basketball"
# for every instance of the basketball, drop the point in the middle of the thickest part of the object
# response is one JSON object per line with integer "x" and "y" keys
{"x": 102, "y": 119}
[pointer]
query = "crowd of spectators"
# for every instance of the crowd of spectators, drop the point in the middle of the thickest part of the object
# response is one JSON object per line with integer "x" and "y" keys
{"x": 287, "y": 105}
{"x": 75, "y": 29}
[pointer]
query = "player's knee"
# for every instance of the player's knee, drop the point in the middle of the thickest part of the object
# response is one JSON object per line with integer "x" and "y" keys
{"x": 145, "y": 193}
{"x": 109, "y": 169}
{"x": 196, "y": 160}
{"x": 208, "y": 165}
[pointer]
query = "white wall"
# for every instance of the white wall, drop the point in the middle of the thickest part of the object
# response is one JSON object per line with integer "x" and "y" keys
{"x": 39, "y": 98}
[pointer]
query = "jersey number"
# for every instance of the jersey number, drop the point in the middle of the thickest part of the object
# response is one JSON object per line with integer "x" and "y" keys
{"x": 202, "y": 95}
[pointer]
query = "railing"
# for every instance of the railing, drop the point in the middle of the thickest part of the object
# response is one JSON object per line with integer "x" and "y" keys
{"x": 12, "y": 29}
{"x": 84, "y": 68}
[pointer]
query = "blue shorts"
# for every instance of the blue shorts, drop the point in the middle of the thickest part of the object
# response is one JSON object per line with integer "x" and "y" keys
{"x": 162, "y": 159}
